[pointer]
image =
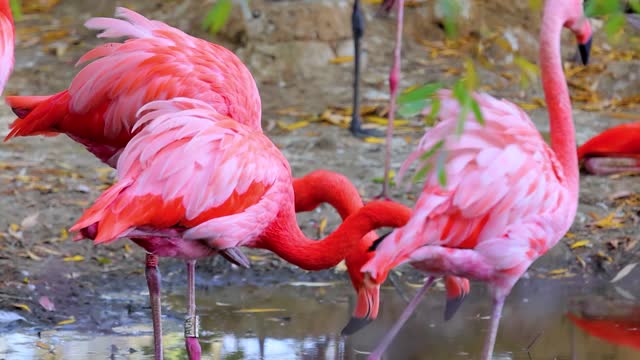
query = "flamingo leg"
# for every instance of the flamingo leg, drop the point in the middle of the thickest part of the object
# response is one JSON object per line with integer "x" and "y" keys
{"x": 192, "y": 322}
{"x": 608, "y": 166}
{"x": 153, "y": 282}
{"x": 357, "y": 26}
{"x": 490, "y": 340}
{"x": 394, "y": 79}
{"x": 406, "y": 314}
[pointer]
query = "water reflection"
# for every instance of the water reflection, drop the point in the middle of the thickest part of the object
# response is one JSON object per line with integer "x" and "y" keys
{"x": 287, "y": 322}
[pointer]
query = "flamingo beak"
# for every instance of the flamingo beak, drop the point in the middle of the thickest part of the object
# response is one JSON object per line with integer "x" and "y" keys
{"x": 367, "y": 307}
{"x": 585, "y": 50}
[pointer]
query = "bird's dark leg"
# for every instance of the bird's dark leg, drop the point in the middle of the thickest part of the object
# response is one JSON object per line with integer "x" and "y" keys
{"x": 394, "y": 79}
{"x": 406, "y": 314}
{"x": 192, "y": 322}
{"x": 153, "y": 282}
{"x": 357, "y": 26}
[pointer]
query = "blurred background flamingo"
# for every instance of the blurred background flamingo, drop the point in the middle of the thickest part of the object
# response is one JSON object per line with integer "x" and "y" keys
{"x": 492, "y": 236}
{"x": 614, "y": 150}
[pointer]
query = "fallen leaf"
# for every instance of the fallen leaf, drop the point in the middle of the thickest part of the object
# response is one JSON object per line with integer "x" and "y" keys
{"x": 608, "y": 222}
{"x": 604, "y": 256}
{"x": 103, "y": 260}
{"x": 624, "y": 272}
{"x": 258, "y": 310}
{"x": 14, "y": 227}
{"x": 33, "y": 256}
{"x": 373, "y": 140}
{"x": 30, "y": 221}
{"x": 22, "y": 306}
{"x": 68, "y": 321}
{"x": 46, "y": 303}
{"x": 322, "y": 226}
{"x": 570, "y": 235}
{"x": 579, "y": 244}
{"x": 294, "y": 126}
{"x": 43, "y": 345}
{"x": 557, "y": 271}
{"x": 73, "y": 258}
{"x": 581, "y": 261}
{"x": 341, "y": 59}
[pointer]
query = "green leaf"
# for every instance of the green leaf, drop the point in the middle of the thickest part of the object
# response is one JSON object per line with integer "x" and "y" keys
{"x": 421, "y": 93}
{"x": 435, "y": 111}
{"x": 602, "y": 7}
{"x": 412, "y": 108}
{"x": 475, "y": 107}
{"x": 218, "y": 16}
{"x": 451, "y": 10}
{"x": 432, "y": 151}
{"x": 422, "y": 173}
{"x": 635, "y": 5}
{"x": 470, "y": 75}
{"x": 464, "y": 98}
{"x": 613, "y": 25}
{"x": 16, "y": 9}
{"x": 442, "y": 170}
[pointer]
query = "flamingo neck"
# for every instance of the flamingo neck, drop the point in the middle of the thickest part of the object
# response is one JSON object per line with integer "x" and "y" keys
{"x": 285, "y": 238}
{"x": 556, "y": 94}
{"x": 322, "y": 186}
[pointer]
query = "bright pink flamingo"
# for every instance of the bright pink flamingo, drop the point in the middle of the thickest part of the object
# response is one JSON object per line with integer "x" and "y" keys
{"x": 620, "y": 142}
{"x": 7, "y": 40}
{"x": 193, "y": 174}
{"x": 508, "y": 197}
{"x": 98, "y": 110}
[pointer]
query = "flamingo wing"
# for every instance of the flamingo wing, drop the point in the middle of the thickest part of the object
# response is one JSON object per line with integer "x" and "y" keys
{"x": 7, "y": 39}
{"x": 194, "y": 169}
{"x": 156, "y": 62}
{"x": 497, "y": 175}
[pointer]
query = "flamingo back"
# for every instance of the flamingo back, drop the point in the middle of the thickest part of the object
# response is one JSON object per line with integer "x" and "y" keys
{"x": 505, "y": 195}
{"x": 196, "y": 169}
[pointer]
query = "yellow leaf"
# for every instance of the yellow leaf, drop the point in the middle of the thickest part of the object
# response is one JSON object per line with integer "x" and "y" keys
{"x": 14, "y": 227}
{"x": 608, "y": 222}
{"x": 24, "y": 307}
{"x": 373, "y": 140}
{"x": 127, "y": 248}
{"x": 570, "y": 235}
{"x": 322, "y": 226}
{"x": 25, "y": 280}
{"x": 74, "y": 258}
{"x": 580, "y": 243}
{"x": 341, "y": 59}
{"x": 257, "y": 258}
{"x": 294, "y": 126}
{"x": 68, "y": 321}
{"x": 558, "y": 271}
{"x": 581, "y": 261}
{"x": 64, "y": 234}
{"x": 604, "y": 256}
{"x": 258, "y": 310}
{"x": 42, "y": 345}
{"x": 384, "y": 121}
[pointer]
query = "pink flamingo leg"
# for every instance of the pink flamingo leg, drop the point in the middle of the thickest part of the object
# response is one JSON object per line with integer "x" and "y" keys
{"x": 388, "y": 338}
{"x": 153, "y": 282}
{"x": 608, "y": 166}
{"x": 490, "y": 341}
{"x": 394, "y": 78}
{"x": 192, "y": 323}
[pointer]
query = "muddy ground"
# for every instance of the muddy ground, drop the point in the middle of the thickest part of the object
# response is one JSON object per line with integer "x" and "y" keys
{"x": 47, "y": 182}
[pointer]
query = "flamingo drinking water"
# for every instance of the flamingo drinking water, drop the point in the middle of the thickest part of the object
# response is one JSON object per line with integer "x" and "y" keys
{"x": 508, "y": 196}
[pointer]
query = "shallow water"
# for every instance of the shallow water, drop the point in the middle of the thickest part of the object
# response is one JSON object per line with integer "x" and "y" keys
{"x": 303, "y": 322}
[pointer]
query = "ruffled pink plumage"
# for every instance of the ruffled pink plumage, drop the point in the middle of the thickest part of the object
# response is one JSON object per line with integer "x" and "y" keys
{"x": 7, "y": 41}
{"x": 193, "y": 169}
{"x": 156, "y": 62}
{"x": 504, "y": 196}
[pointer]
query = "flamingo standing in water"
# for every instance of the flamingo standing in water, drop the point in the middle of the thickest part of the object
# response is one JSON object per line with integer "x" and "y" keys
{"x": 619, "y": 142}
{"x": 462, "y": 229}
{"x": 194, "y": 174}
{"x": 7, "y": 43}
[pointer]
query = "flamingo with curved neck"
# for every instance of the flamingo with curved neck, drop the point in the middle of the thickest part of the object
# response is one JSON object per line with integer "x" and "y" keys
{"x": 508, "y": 198}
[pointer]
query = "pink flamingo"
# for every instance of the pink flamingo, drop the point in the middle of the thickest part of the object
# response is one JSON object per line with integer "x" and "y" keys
{"x": 237, "y": 192}
{"x": 620, "y": 142}
{"x": 493, "y": 236}
{"x": 7, "y": 40}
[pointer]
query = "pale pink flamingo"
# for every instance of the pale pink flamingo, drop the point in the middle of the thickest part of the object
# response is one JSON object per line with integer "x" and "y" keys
{"x": 619, "y": 142}
{"x": 508, "y": 196}
{"x": 194, "y": 175}
{"x": 7, "y": 43}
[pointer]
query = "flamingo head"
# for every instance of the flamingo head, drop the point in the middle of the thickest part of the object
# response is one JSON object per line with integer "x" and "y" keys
{"x": 579, "y": 24}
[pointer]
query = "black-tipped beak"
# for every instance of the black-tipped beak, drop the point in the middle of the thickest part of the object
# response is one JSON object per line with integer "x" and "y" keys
{"x": 452, "y": 307}
{"x": 585, "y": 50}
{"x": 236, "y": 256}
{"x": 355, "y": 325}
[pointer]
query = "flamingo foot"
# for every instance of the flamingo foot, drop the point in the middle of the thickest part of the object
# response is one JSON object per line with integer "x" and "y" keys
{"x": 358, "y": 131}
{"x": 153, "y": 282}
{"x": 236, "y": 256}
{"x": 406, "y": 314}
